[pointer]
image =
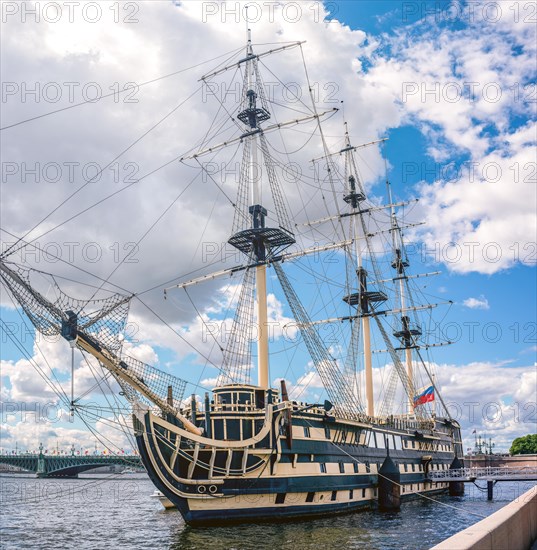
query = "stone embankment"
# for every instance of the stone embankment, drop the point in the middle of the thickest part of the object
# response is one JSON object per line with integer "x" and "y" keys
{"x": 513, "y": 527}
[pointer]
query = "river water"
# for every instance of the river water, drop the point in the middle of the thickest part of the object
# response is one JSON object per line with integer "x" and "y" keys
{"x": 103, "y": 511}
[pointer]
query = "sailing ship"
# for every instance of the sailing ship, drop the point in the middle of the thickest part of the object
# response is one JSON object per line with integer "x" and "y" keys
{"x": 250, "y": 450}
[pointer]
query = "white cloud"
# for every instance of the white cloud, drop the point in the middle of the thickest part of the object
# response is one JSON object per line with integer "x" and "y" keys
{"x": 484, "y": 220}
{"x": 34, "y": 403}
{"x": 472, "y": 209}
{"x": 31, "y": 380}
{"x": 209, "y": 383}
{"x": 494, "y": 398}
{"x": 480, "y": 215}
{"x": 107, "y": 53}
{"x": 476, "y": 303}
{"x": 28, "y": 432}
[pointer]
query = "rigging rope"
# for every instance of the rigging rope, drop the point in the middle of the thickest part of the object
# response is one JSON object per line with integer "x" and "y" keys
{"x": 92, "y": 180}
{"x": 341, "y": 395}
{"x": 117, "y": 92}
{"x": 237, "y": 353}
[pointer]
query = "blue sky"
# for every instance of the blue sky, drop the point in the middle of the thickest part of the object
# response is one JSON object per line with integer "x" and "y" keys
{"x": 396, "y": 65}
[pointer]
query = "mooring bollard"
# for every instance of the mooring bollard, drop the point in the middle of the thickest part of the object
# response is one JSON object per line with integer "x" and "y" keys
{"x": 490, "y": 490}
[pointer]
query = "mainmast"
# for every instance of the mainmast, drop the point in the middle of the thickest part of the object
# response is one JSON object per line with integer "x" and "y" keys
{"x": 366, "y": 301}
{"x": 363, "y": 298}
{"x": 409, "y": 331}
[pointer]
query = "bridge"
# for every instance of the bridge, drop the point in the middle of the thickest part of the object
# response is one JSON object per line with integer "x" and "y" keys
{"x": 65, "y": 465}
{"x": 490, "y": 474}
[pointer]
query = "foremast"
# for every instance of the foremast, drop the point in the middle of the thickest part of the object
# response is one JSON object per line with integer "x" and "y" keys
{"x": 251, "y": 116}
{"x": 262, "y": 242}
{"x": 262, "y": 232}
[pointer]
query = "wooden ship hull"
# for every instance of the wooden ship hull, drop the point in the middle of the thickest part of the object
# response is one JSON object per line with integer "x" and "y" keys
{"x": 273, "y": 465}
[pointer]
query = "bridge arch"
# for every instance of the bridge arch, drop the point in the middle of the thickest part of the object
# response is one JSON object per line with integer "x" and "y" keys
{"x": 65, "y": 465}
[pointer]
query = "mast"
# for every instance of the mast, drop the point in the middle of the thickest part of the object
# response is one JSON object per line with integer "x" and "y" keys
{"x": 408, "y": 331}
{"x": 258, "y": 241}
{"x": 366, "y": 331}
{"x": 365, "y": 300}
{"x": 433, "y": 379}
{"x": 363, "y": 297}
{"x": 261, "y": 238}
{"x": 258, "y": 220}
{"x": 362, "y": 278}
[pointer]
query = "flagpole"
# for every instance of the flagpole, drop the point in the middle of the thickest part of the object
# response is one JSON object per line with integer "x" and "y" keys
{"x": 434, "y": 400}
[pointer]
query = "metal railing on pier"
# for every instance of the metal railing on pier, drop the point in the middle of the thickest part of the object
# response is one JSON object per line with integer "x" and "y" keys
{"x": 495, "y": 473}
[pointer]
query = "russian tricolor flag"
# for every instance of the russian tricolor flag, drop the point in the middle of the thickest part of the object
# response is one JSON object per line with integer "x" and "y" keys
{"x": 424, "y": 397}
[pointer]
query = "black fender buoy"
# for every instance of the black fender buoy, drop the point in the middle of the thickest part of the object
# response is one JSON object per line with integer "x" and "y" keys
{"x": 389, "y": 482}
{"x": 456, "y": 488}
